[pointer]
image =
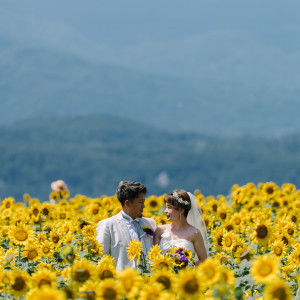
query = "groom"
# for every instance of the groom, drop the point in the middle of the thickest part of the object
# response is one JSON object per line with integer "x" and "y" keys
{"x": 116, "y": 232}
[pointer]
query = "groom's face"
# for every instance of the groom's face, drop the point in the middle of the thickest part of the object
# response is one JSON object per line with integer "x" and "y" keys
{"x": 135, "y": 208}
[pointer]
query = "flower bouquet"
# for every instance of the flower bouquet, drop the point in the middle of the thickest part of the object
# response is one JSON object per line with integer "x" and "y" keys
{"x": 181, "y": 258}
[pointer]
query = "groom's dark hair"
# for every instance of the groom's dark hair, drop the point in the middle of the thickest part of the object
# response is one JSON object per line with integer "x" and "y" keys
{"x": 129, "y": 190}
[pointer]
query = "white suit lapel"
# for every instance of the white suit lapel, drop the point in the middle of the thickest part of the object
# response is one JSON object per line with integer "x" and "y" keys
{"x": 123, "y": 226}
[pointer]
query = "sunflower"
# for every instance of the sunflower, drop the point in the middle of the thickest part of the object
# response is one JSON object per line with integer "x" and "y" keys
{"x": 46, "y": 293}
{"x": 21, "y": 234}
{"x": 153, "y": 204}
{"x": 32, "y": 252}
{"x": 288, "y": 188}
{"x": 89, "y": 291}
{"x": 162, "y": 261}
{"x": 46, "y": 209}
{"x": 6, "y": 214}
{"x": 47, "y": 249}
{"x": 43, "y": 265}
{"x": 41, "y": 238}
{"x": 277, "y": 290}
{"x": 164, "y": 277}
{"x": 20, "y": 282}
{"x": 151, "y": 291}
{"x": 288, "y": 271}
{"x": 291, "y": 228}
{"x": 188, "y": 283}
{"x": 26, "y": 197}
{"x": 295, "y": 256}
{"x": 109, "y": 289}
{"x": 134, "y": 250}
{"x": 55, "y": 237}
{"x": 54, "y": 196}
{"x": 210, "y": 271}
{"x": 228, "y": 241}
{"x": 218, "y": 238}
{"x": 106, "y": 269}
{"x": 95, "y": 247}
{"x": 244, "y": 252}
{"x": 265, "y": 268}
{"x": 5, "y": 277}
{"x": 161, "y": 219}
{"x": 5, "y": 231}
{"x": 89, "y": 231}
{"x": 43, "y": 277}
{"x": 212, "y": 205}
{"x": 262, "y": 232}
{"x": 154, "y": 252}
{"x": 278, "y": 248}
{"x": 227, "y": 276}
{"x": 83, "y": 270}
{"x": 130, "y": 281}
{"x": 223, "y": 212}
{"x": 8, "y": 202}
{"x": 270, "y": 189}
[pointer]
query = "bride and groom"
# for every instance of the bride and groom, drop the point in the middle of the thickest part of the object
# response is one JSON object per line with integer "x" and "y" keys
{"x": 186, "y": 229}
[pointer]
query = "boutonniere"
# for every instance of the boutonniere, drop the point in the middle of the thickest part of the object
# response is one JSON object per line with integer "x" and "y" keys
{"x": 148, "y": 230}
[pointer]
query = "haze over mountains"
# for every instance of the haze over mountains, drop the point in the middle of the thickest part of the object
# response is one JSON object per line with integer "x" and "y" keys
{"x": 94, "y": 153}
{"x": 197, "y": 94}
{"x": 42, "y": 83}
{"x": 247, "y": 42}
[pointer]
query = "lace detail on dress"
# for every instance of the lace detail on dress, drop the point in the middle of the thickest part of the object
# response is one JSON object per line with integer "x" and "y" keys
{"x": 167, "y": 243}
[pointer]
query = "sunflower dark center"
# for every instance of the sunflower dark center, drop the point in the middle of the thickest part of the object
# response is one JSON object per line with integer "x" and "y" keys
{"x": 55, "y": 239}
{"x": 270, "y": 190}
{"x": 290, "y": 231}
{"x": 45, "y": 211}
{"x": 153, "y": 203}
{"x": 109, "y": 293}
{"x": 191, "y": 286}
{"x": 106, "y": 274}
{"x": 95, "y": 211}
{"x": 261, "y": 231}
{"x": 81, "y": 275}
{"x": 165, "y": 281}
{"x": 44, "y": 281}
{"x": 280, "y": 294}
{"x": 223, "y": 215}
{"x": 19, "y": 284}
{"x": 215, "y": 207}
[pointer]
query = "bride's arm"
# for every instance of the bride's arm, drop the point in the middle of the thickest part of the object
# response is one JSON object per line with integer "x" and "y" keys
{"x": 157, "y": 235}
{"x": 199, "y": 247}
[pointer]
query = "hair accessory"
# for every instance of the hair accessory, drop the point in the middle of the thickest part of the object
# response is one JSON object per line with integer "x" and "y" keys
{"x": 180, "y": 200}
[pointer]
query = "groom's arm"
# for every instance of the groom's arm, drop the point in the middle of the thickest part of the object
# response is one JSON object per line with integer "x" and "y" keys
{"x": 103, "y": 236}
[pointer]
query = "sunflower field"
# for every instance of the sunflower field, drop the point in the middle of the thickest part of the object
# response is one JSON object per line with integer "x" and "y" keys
{"x": 48, "y": 250}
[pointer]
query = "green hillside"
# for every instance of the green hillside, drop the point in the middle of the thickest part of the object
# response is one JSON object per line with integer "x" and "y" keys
{"x": 41, "y": 83}
{"x": 93, "y": 153}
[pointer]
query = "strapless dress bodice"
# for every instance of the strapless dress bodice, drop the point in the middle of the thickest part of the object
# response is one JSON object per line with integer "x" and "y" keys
{"x": 167, "y": 243}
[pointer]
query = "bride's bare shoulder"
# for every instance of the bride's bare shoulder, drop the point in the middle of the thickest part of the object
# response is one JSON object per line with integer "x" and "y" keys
{"x": 162, "y": 228}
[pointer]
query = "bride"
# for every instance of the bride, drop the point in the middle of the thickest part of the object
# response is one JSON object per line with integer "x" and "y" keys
{"x": 187, "y": 229}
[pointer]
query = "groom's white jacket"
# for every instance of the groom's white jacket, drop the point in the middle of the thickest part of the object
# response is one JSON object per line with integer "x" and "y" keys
{"x": 114, "y": 235}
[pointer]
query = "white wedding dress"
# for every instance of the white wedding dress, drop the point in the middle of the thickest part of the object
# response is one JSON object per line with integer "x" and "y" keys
{"x": 167, "y": 243}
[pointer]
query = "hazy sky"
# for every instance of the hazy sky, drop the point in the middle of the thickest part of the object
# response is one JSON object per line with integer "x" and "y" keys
{"x": 254, "y": 42}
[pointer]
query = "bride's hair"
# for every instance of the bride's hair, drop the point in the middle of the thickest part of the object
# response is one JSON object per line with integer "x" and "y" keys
{"x": 179, "y": 199}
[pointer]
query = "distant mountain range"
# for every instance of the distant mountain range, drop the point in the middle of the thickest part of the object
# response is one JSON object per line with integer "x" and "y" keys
{"x": 93, "y": 153}
{"x": 41, "y": 83}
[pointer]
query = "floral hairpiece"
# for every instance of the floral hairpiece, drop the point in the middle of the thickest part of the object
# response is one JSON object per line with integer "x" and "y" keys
{"x": 179, "y": 199}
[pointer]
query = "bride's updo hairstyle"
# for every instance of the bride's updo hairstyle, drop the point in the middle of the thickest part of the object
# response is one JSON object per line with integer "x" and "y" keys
{"x": 179, "y": 199}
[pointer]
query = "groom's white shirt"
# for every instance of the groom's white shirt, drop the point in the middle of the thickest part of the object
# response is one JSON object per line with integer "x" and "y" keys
{"x": 113, "y": 233}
